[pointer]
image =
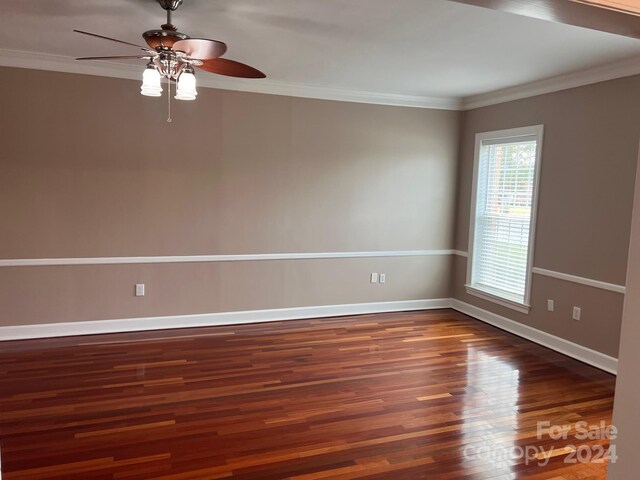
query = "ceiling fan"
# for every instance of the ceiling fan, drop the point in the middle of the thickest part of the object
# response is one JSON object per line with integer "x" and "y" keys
{"x": 172, "y": 55}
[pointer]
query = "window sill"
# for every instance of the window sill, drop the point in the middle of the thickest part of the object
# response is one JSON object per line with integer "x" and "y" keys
{"x": 517, "y": 306}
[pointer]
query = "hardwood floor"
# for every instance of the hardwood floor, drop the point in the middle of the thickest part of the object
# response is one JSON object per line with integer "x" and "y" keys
{"x": 389, "y": 396}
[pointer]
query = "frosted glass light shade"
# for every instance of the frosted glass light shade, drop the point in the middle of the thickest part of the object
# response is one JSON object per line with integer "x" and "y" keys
{"x": 186, "y": 87}
{"x": 151, "y": 86}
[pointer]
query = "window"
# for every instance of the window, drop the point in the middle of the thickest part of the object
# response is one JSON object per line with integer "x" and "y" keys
{"x": 503, "y": 215}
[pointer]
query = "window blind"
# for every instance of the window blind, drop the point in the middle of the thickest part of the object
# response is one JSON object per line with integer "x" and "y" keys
{"x": 504, "y": 199}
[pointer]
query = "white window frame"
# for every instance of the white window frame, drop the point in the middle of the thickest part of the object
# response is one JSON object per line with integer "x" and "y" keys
{"x": 512, "y": 133}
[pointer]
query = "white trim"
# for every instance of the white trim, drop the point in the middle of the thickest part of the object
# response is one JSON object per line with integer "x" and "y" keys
{"x": 573, "y": 350}
{"x": 581, "y": 280}
{"x": 512, "y": 133}
{"x": 212, "y": 319}
{"x": 561, "y": 345}
{"x": 30, "y": 262}
{"x": 59, "y": 63}
{"x": 538, "y": 131}
{"x": 518, "y": 307}
{"x": 460, "y": 253}
{"x": 612, "y": 287}
{"x": 620, "y": 69}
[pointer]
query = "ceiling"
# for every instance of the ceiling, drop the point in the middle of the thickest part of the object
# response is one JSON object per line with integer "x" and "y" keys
{"x": 430, "y": 48}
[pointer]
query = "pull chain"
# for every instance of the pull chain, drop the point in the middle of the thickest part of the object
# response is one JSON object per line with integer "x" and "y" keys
{"x": 169, "y": 100}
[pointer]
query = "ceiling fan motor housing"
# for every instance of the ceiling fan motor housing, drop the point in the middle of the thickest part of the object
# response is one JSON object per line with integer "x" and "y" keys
{"x": 170, "y": 4}
{"x": 165, "y": 38}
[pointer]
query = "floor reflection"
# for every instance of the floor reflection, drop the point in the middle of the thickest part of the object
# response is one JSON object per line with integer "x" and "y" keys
{"x": 490, "y": 412}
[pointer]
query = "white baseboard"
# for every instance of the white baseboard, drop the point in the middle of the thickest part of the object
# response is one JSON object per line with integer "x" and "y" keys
{"x": 584, "y": 354}
{"x": 48, "y": 330}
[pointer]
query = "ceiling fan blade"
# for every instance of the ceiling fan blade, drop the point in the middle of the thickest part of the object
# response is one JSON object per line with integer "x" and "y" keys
{"x": 200, "y": 48}
{"x": 230, "y": 68}
{"x": 109, "y": 38}
{"x": 580, "y": 13}
{"x": 117, "y": 57}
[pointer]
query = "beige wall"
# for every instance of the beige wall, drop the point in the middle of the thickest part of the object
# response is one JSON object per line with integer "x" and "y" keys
{"x": 90, "y": 168}
{"x": 74, "y": 293}
{"x": 585, "y": 200}
{"x": 626, "y": 414}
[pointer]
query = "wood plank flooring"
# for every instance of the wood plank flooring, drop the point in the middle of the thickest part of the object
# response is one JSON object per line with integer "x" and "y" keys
{"x": 404, "y": 396}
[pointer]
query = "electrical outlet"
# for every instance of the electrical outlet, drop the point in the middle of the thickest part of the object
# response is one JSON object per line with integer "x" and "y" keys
{"x": 383, "y": 278}
{"x": 374, "y": 278}
{"x": 139, "y": 289}
{"x": 551, "y": 306}
{"x": 577, "y": 312}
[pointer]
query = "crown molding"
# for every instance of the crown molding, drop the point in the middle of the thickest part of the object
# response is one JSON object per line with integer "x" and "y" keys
{"x": 611, "y": 71}
{"x": 59, "y": 63}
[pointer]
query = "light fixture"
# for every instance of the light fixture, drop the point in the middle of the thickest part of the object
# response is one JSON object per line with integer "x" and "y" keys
{"x": 151, "y": 86}
{"x": 174, "y": 67}
{"x": 186, "y": 85}
{"x": 172, "y": 57}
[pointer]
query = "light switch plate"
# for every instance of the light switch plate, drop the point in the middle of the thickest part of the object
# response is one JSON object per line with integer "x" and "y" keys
{"x": 139, "y": 289}
{"x": 577, "y": 313}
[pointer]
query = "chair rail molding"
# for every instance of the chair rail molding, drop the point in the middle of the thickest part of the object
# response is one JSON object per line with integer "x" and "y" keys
{"x": 31, "y": 262}
{"x": 567, "y": 277}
